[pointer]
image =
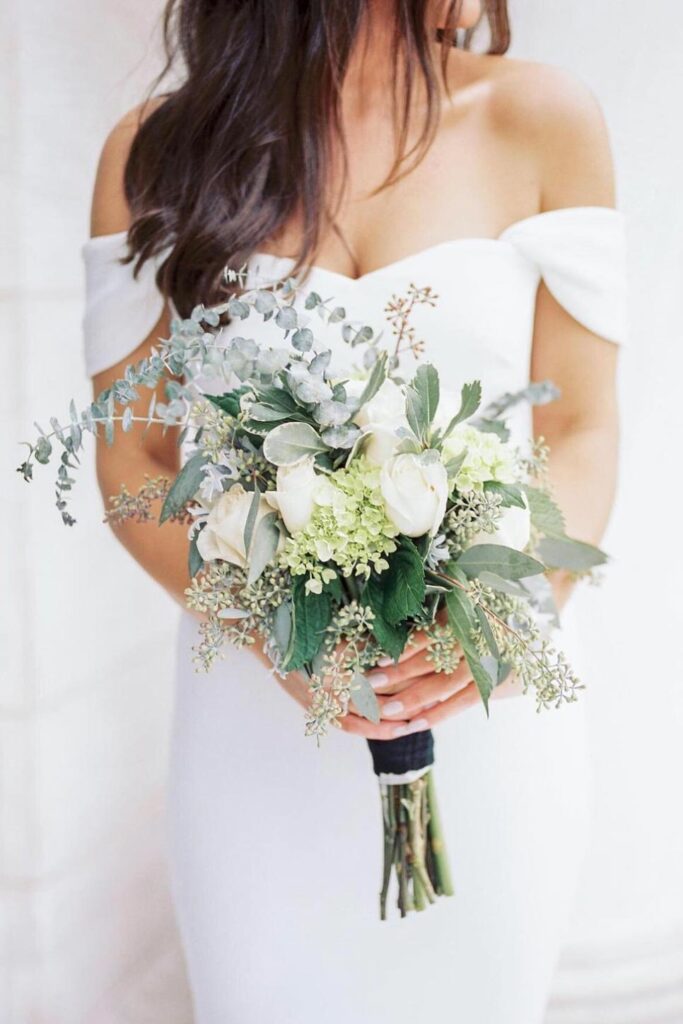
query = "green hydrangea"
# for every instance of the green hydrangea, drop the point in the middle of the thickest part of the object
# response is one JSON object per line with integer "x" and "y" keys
{"x": 488, "y": 458}
{"x": 349, "y": 529}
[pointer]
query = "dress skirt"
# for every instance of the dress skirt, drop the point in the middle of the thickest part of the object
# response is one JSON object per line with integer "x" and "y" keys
{"x": 276, "y": 859}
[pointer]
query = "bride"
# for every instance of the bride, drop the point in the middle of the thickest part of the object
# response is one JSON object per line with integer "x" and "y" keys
{"x": 354, "y": 141}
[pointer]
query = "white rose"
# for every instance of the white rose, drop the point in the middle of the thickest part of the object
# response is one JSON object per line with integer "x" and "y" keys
{"x": 294, "y": 496}
{"x": 380, "y": 444}
{"x": 380, "y": 419}
{"x": 223, "y": 535}
{"x": 513, "y": 529}
{"x": 387, "y": 408}
{"x": 415, "y": 492}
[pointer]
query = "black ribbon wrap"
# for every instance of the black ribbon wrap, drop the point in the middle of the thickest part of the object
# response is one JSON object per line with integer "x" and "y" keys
{"x": 404, "y": 754}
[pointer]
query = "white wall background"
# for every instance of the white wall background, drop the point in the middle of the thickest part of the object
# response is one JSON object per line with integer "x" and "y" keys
{"x": 85, "y": 924}
{"x": 86, "y": 935}
{"x": 624, "y": 961}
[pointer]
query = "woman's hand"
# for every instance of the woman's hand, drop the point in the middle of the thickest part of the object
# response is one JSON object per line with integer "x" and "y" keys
{"x": 414, "y": 697}
{"x": 297, "y": 686}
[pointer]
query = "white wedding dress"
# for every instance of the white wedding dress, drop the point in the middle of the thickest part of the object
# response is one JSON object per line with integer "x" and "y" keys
{"x": 275, "y": 845}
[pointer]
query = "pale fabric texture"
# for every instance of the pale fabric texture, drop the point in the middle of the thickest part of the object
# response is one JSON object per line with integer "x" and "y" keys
{"x": 275, "y": 845}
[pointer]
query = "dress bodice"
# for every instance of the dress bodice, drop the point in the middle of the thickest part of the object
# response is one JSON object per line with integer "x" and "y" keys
{"x": 480, "y": 327}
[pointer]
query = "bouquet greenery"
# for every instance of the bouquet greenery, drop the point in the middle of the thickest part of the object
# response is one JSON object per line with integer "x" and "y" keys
{"x": 331, "y": 516}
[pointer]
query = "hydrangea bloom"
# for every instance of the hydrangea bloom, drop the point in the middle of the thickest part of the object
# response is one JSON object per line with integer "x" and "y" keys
{"x": 487, "y": 458}
{"x": 349, "y": 527}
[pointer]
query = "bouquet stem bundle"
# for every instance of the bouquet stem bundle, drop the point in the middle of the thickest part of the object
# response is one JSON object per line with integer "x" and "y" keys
{"x": 414, "y": 846}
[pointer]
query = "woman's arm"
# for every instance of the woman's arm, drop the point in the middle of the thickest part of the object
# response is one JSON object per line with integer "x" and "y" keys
{"x": 163, "y": 553}
{"x": 567, "y": 129}
{"x": 136, "y": 455}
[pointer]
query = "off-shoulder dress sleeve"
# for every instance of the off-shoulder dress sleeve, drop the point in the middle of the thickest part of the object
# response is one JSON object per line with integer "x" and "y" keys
{"x": 580, "y": 253}
{"x": 120, "y": 309}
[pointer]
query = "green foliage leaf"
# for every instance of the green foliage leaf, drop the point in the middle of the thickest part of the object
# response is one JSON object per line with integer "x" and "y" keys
{"x": 462, "y": 619}
{"x": 416, "y": 414}
{"x": 510, "y": 494}
{"x": 538, "y": 393}
{"x": 195, "y": 562}
{"x": 364, "y": 698}
{"x": 391, "y": 637}
{"x": 311, "y": 614}
{"x": 404, "y": 583}
{"x": 496, "y": 427}
{"x": 229, "y": 402}
{"x": 287, "y": 318}
{"x": 487, "y": 632}
{"x": 251, "y": 520}
{"x": 573, "y": 555}
{"x": 289, "y": 442}
{"x": 43, "y": 451}
{"x": 496, "y": 558}
{"x": 546, "y": 515}
{"x": 426, "y": 384}
{"x": 470, "y": 400}
{"x": 184, "y": 487}
{"x": 282, "y": 627}
{"x": 302, "y": 340}
{"x": 263, "y": 546}
{"x": 378, "y": 375}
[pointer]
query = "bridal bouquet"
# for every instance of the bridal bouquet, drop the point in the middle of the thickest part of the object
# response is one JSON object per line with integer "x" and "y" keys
{"x": 333, "y": 514}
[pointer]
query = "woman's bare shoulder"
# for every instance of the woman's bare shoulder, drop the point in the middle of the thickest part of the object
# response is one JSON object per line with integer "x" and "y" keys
{"x": 110, "y": 212}
{"x": 555, "y": 120}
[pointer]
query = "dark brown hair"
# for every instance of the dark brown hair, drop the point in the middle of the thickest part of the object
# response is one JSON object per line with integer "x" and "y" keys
{"x": 244, "y": 142}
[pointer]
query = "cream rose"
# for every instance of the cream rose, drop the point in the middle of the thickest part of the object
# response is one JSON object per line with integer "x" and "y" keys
{"x": 415, "y": 491}
{"x": 223, "y": 535}
{"x": 294, "y": 495}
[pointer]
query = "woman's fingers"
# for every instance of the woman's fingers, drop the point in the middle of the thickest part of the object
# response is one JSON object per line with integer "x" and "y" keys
{"x": 362, "y": 727}
{"x": 466, "y": 698}
{"x": 424, "y": 692}
{"x": 396, "y": 677}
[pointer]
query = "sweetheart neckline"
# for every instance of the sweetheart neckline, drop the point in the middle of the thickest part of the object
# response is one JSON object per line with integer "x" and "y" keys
{"x": 501, "y": 239}
{"x": 386, "y": 267}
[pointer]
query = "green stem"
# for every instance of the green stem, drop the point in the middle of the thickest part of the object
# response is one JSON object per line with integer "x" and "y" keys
{"x": 437, "y": 842}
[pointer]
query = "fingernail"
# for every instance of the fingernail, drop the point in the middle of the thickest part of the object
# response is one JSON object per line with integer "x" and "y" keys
{"x": 385, "y": 661}
{"x": 419, "y": 725}
{"x": 401, "y": 731}
{"x": 394, "y": 707}
{"x": 378, "y": 679}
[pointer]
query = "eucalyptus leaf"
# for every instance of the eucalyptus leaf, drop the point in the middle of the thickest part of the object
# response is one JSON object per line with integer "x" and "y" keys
{"x": 302, "y": 340}
{"x": 287, "y": 318}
